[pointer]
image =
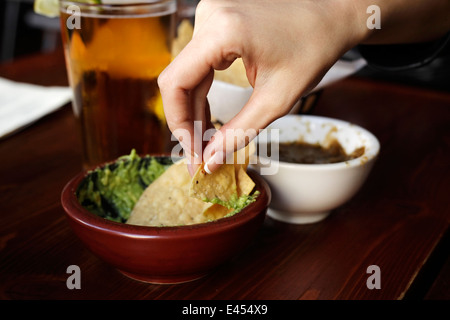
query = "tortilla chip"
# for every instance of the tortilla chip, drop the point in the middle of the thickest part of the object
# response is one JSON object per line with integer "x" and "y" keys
{"x": 221, "y": 184}
{"x": 166, "y": 201}
{"x": 216, "y": 211}
{"x": 244, "y": 183}
{"x": 185, "y": 31}
{"x": 244, "y": 186}
{"x": 235, "y": 74}
{"x": 242, "y": 156}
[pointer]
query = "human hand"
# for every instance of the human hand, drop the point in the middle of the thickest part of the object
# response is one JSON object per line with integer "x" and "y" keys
{"x": 286, "y": 46}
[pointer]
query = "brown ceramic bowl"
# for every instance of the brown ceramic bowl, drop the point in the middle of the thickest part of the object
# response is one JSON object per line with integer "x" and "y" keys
{"x": 166, "y": 254}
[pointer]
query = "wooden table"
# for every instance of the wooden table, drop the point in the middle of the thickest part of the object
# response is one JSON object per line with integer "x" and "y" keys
{"x": 399, "y": 221}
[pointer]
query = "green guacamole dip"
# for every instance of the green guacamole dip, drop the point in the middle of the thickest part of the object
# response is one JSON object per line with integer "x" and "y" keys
{"x": 112, "y": 191}
{"x": 236, "y": 203}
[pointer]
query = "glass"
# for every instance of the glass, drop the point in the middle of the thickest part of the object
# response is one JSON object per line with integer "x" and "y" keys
{"x": 114, "y": 55}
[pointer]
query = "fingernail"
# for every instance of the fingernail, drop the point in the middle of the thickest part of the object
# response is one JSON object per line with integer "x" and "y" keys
{"x": 206, "y": 168}
{"x": 212, "y": 161}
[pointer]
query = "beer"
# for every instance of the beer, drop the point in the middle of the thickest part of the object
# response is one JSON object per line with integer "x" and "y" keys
{"x": 113, "y": 63}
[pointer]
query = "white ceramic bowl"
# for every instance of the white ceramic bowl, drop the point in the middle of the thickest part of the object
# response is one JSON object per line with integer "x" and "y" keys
{"x": 307, "y": 193}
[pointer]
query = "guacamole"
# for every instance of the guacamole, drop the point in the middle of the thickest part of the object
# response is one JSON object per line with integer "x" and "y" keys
{"x": 112, "y": 191}
{"x": 236, "y": 203}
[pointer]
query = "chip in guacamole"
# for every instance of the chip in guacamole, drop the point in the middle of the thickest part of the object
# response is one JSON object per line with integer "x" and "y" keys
{"x": 166, "y": 202}
{"x": 177, "y": 199}
{"x": 154, "y": 191}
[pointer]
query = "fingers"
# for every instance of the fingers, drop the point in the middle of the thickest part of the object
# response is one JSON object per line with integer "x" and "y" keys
{"x": 267, "y": 103}
{"x": 184, "y": 85}
{"x": 184, "y": 99}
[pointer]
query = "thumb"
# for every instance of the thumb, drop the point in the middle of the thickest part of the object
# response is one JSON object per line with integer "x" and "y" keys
{"x": 263, "y": 108}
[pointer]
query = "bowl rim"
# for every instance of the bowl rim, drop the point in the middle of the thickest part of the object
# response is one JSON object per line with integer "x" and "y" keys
{"x": 75, "y": 211}
{"x": 369, "y": 155}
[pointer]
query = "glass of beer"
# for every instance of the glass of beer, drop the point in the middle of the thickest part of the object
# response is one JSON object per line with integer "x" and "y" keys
{"x": 114, "y": 54}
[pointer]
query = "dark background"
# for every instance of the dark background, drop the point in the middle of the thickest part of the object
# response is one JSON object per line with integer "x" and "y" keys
{"x": 33, "y": 33}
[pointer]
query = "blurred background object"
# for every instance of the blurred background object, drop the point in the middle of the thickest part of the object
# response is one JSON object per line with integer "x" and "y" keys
{"x": 425, "y": 65}
{"x": 25, "y": 32}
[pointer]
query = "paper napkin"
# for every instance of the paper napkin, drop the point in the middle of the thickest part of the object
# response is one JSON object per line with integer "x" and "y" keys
{"x": 21, "y": 104}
